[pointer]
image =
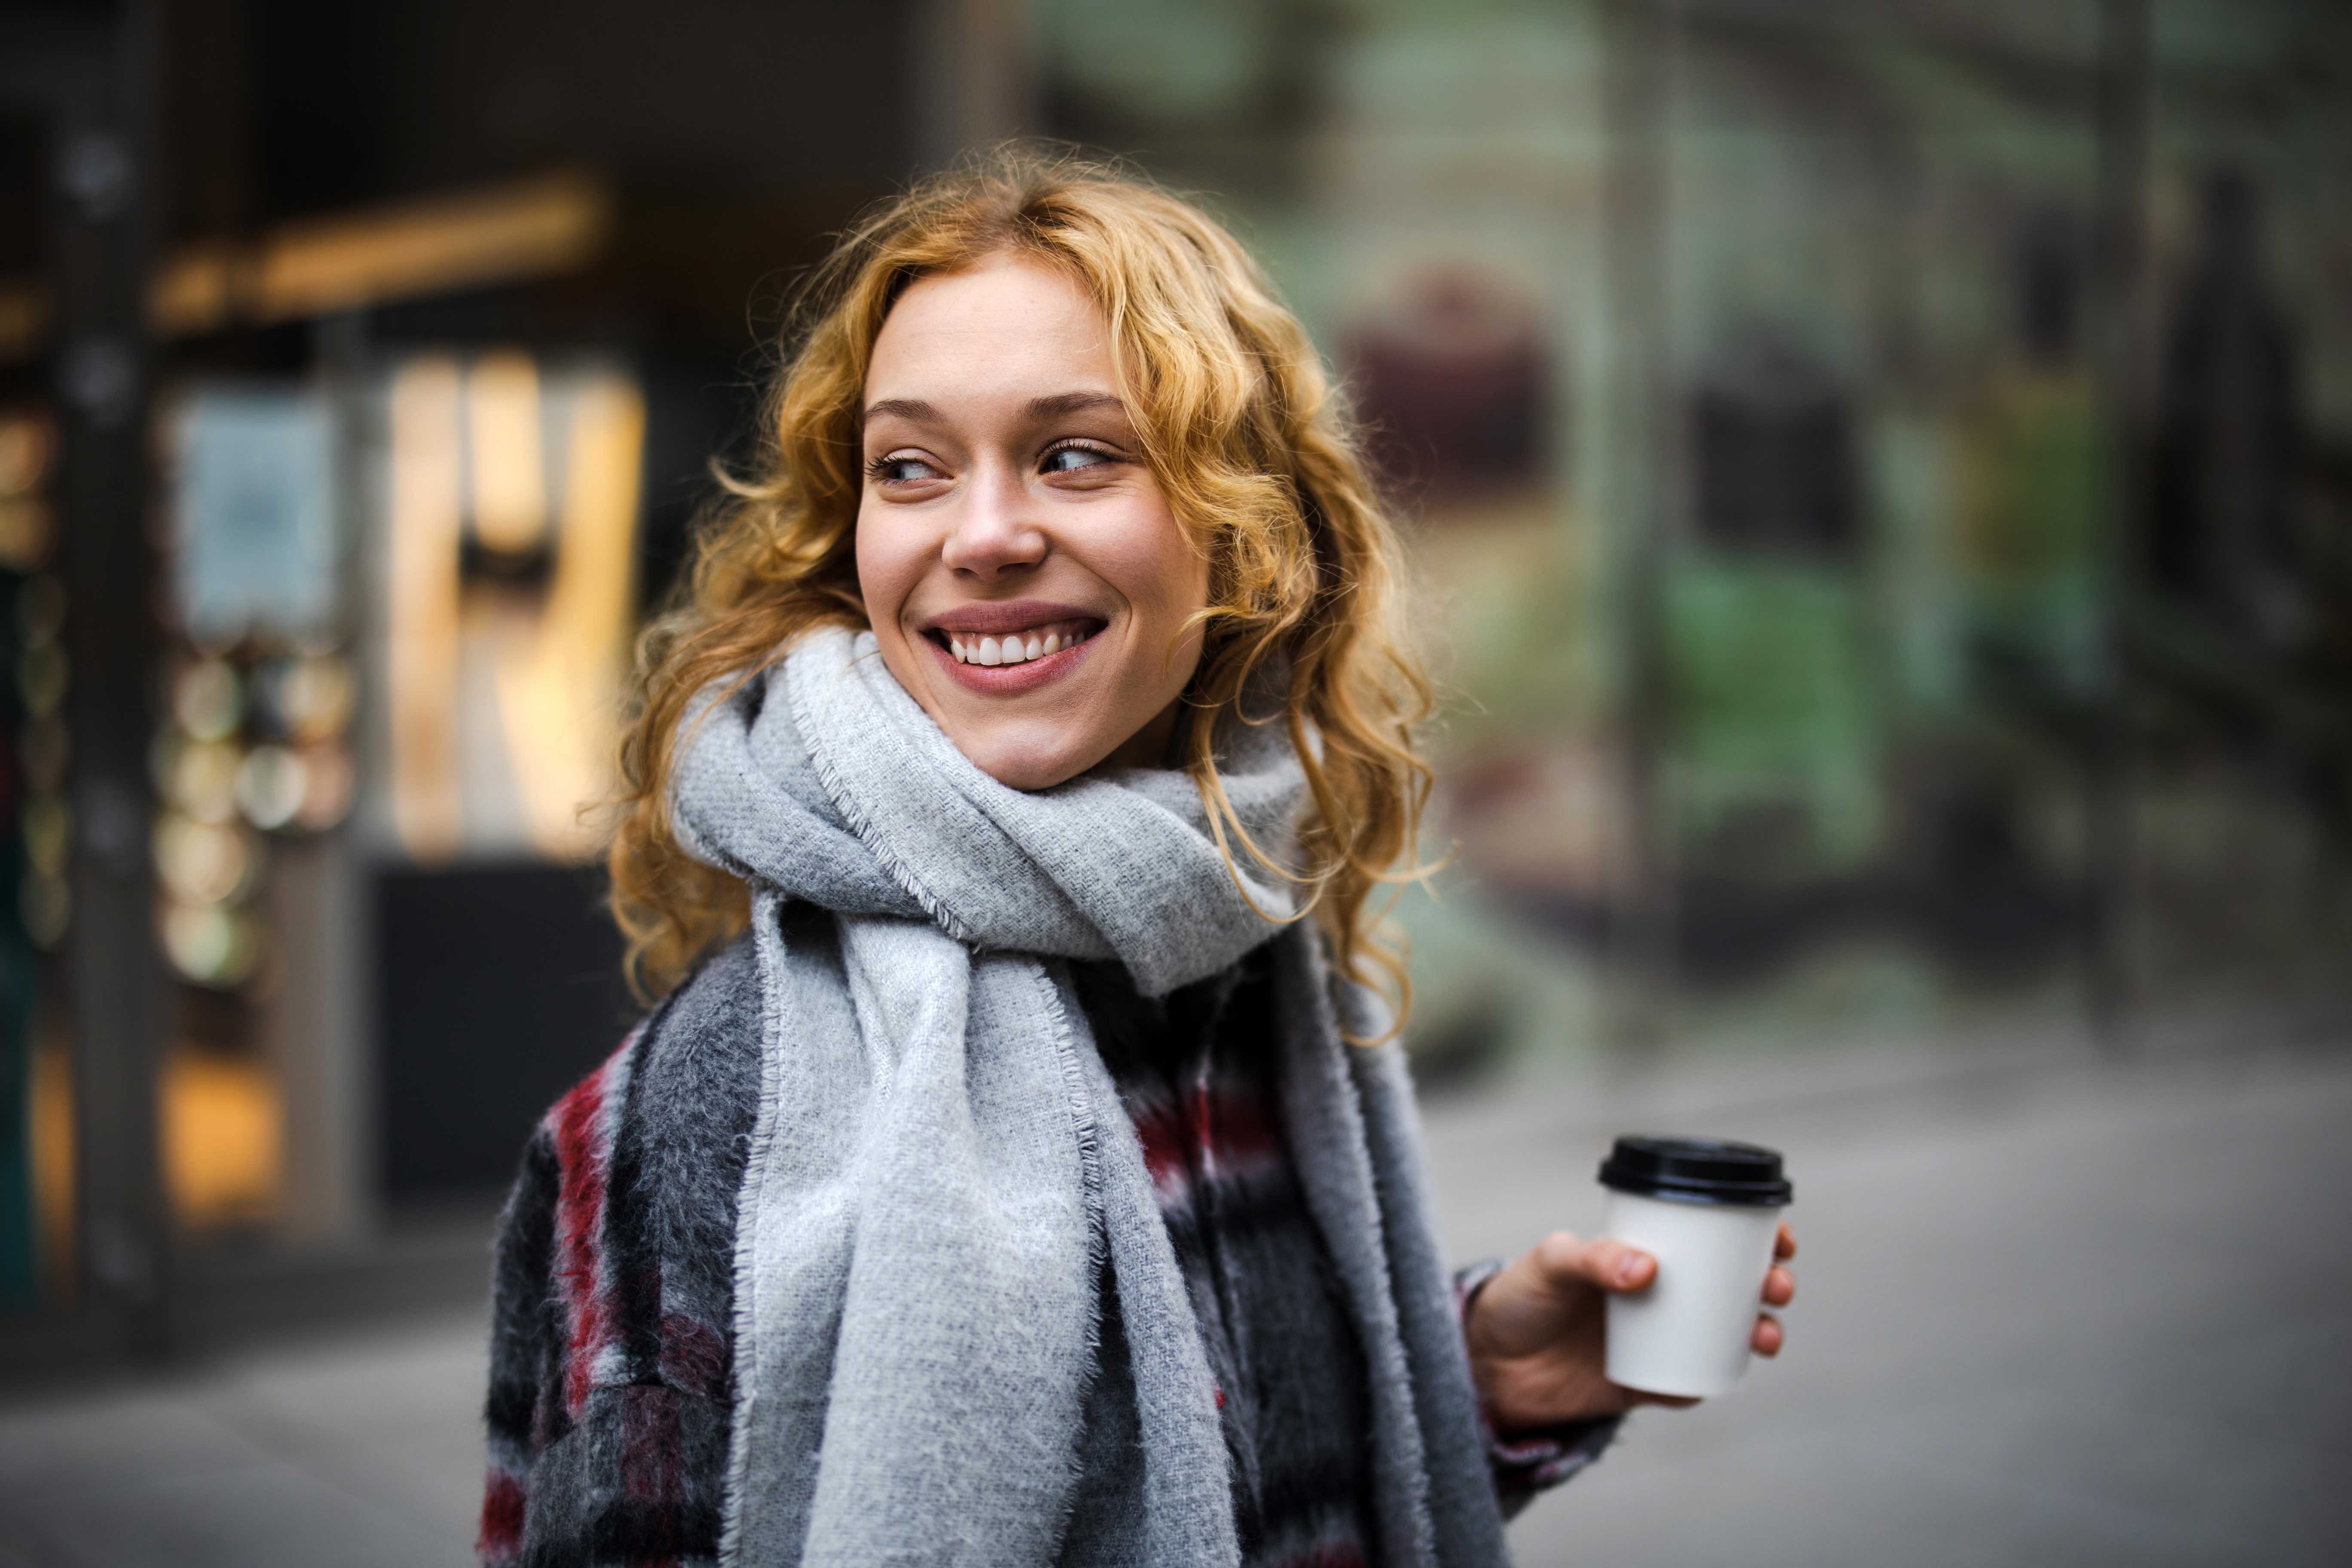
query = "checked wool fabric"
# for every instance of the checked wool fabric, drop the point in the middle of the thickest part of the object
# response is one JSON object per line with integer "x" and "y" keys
{"x": 612, "y": 1360}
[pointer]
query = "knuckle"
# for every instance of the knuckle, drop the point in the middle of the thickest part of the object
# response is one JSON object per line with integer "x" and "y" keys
{"x": 1559, "y": 1251}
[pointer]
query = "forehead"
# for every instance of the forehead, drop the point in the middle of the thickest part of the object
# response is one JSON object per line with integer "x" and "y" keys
{"x": 1009, "y": 327}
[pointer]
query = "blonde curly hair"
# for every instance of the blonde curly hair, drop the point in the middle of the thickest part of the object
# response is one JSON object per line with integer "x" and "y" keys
{"x": 1246, "y": 436}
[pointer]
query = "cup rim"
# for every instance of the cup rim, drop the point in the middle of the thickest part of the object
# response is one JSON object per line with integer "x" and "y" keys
{"x": 1713, "y": 1170}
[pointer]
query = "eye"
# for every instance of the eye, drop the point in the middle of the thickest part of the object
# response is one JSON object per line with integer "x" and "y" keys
{"x": 900, "y": 471}
{"x": 1070, "y": 459}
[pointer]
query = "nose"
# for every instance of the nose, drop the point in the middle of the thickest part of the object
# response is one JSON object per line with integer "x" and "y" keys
{"x": 993, "y": 533}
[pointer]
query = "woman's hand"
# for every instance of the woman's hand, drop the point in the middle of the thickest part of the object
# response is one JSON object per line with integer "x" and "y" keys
{"x": 1535, "y": 1329}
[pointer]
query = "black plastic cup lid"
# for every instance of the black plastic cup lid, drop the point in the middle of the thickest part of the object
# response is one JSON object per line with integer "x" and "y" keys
{"x": 1698, "y": 1170}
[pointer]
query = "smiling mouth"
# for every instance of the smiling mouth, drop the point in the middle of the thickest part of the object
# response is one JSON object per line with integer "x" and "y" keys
{"x": 1016, "y": 647}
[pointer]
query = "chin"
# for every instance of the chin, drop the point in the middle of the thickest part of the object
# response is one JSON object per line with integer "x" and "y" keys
{"x": 1027, "y": 761}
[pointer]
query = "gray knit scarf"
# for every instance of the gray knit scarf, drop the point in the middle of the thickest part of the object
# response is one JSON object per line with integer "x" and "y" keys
{"x": 941, "y": 1166}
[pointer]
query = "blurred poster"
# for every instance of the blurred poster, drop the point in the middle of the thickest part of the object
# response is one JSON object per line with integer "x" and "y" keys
{"x": 254, "y": 524}
{"x": 1451, "y": 380}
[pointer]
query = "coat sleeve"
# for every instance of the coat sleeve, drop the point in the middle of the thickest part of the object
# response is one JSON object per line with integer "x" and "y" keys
{"x": 1530, "y": 1463}
{"x": 525, "y": 1343}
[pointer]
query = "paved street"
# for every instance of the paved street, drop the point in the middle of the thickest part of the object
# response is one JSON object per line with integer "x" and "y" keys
{"x": 2042, "y": 1319}
{"x": 2049, "y": 1314}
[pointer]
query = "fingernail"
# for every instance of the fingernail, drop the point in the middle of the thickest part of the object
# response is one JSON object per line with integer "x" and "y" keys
{"x": 1631, "y": 1269}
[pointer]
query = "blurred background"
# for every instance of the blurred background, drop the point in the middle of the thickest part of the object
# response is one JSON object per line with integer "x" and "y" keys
{"x": 1880, "y": 479}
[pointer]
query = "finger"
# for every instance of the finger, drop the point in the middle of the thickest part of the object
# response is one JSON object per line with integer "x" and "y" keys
{"x": 1769, "y": 1336}
{"x": 1784, "y": 1245}
{"x": 1567, "y": 1259}
{"x": 1780, "y": 1287}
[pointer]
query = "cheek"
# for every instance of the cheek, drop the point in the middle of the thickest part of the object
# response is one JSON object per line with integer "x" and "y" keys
{"x": 1156, "y": 567}
{"x": 889, "y": 563}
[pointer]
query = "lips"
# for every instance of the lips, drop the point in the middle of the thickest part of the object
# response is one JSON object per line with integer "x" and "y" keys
{"x": 996, "y": 618}
{"x": 1002, "y": 650}
{"x": 1022, "y": 631}
{"x": 1017, "y": 647}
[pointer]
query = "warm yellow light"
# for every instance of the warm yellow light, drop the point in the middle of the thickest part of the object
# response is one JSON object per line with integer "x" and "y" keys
{"x": 324, "y": 265}
{"x": 502, "y": 409}
{"x": 560, "y": 695}
{"x": 26, "y": 442}
{"x": 53, "y": 1151}
{"x": 421, "y": 662}
{"x": 222, "y": 1139}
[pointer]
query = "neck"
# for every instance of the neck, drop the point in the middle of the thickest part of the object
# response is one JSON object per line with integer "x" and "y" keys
{"x": 1153, "y": 746}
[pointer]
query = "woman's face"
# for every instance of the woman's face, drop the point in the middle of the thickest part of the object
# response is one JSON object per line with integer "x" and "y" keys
{"x": 1023, "y": 573}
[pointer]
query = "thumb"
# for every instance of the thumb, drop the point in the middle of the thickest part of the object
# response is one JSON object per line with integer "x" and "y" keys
{"x": 1567, "y": 1259}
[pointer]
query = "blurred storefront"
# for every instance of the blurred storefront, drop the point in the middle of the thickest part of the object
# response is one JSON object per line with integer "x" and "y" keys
{"x": 1881, "y": 476}
{"x": 1805, "y": 414}
{"x": 359, "y": 377}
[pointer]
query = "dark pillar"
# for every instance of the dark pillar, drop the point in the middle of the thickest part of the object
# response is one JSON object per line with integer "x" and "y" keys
{"x": 2126, "y": 371}
{"x": 89, "y": 76}
{"x": 1640, "y": 41}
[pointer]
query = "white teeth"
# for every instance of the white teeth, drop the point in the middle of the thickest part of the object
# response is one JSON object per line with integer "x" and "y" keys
{"x": 1018, "y": 647}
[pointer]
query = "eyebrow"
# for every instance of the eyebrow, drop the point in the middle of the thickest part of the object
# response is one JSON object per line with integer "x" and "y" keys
{"x": 1073, "y": 403}
{"x": 916, "y": 411}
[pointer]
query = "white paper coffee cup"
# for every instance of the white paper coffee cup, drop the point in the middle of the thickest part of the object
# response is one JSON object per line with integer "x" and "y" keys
{"x": 1708, "y": 1210}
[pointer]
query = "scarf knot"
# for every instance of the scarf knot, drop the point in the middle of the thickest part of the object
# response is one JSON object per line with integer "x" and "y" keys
{"x": 823, "y": 779}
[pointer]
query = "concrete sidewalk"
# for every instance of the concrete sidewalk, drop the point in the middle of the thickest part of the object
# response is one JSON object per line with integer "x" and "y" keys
{"x": 353, "y": 1452}
{"x": 2048, "y": 1315}
{"x": 2085, "y": 1316}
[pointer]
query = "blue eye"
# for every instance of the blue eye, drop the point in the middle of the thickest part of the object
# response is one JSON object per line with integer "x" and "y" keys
{"x": 1080, "y": 457}
{"x": 899, "y": 470}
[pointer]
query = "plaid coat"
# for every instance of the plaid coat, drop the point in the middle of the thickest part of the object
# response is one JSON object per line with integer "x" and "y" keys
{"x": 612, "y": 1355}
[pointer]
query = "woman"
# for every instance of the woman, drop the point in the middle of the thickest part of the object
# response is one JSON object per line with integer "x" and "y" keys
{"x": 1017, "y": 1170}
